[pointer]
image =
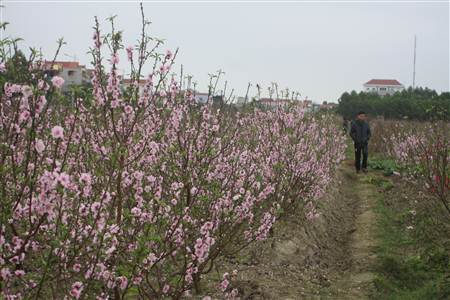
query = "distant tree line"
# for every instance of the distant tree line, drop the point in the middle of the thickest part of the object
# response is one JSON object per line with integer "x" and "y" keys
{"x": 416, "y": 104}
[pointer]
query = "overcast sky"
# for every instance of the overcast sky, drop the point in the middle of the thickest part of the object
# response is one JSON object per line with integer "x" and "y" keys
{"x": 318, "y": 49}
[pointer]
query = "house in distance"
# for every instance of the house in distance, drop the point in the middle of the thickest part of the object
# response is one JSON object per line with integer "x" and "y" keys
{"x": 71, "y": 71}
{"x": 383, "y": 87}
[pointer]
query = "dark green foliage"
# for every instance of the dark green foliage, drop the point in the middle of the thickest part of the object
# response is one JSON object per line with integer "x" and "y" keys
{"x": 414, "y": 104}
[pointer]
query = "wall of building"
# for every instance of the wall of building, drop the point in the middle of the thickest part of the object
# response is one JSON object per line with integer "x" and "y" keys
{"x": 383, "y": 89}
{"x": 201, "y": 98}
{"x": 72, "y": 76}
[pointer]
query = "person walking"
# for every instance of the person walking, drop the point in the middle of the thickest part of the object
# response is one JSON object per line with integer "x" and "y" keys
{"x": 360, "y": 133}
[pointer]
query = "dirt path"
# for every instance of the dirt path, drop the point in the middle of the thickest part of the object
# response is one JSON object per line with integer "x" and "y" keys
{"x": 356, "y": 281}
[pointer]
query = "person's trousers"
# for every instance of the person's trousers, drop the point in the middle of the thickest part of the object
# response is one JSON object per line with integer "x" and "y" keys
{"x": 364, "y": 149}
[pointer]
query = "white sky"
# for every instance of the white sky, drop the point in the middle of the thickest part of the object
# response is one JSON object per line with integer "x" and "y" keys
{"x": 319, "y": 49}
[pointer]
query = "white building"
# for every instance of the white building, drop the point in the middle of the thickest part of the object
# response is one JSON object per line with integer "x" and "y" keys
{"x": 71, "y": 71}
{"x": 383, "y": 86}
{"x": 201, "y": 97}
{"x": 273, "y": 104}
{"x": 269, "y": 103}
{"x": 240, "y": 101}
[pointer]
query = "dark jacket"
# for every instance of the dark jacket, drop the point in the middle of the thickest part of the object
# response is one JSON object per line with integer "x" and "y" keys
{"x": 360, "y": 132}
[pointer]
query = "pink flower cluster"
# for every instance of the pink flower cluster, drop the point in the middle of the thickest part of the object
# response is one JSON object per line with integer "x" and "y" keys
{"x": 57, "y": 81}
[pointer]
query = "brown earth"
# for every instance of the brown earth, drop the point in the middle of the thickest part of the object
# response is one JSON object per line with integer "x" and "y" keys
{"x": 329, "y": 258}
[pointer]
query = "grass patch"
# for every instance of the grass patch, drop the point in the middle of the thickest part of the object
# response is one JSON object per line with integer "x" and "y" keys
{"x": 407, "y": 269}
{"x": 378, "y": 181}
{"x": 411, "y": 278}
{"x": 388, "y": 166}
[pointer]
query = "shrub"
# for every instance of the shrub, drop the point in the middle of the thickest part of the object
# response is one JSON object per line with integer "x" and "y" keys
{"x": 425, "y": 153}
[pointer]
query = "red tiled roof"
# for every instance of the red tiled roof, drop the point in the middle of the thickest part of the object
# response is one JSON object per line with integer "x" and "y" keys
{"x": 64, "y": 64}
{"x": 384, "y": 82}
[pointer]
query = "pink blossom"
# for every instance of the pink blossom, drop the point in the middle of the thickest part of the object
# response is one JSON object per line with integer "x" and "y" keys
{"x": 136, "y": 211}
{"x": 24, "y": 116}
{"x": 114, "y": 103}
{"x": 77, "y": 267}
{"x": 169, "y": 54}
{"x": 97, "y": 40}
{"x": 266, "y": 224}
{"x": 42, "y": 85}
{"x": 312, "y": 215}
{"x": 110, "y": 250}
{"x": 234, "y": 293}
{"x": 57, "y": 81}
{"x": 114, "y": 59}
{"x": 128, "y": 109}
{"x": 76, "y": 290}
{"x": 40, "y": 104}
{"x": 11, "y": 89}
{"x": 57, "y": 132}
{"x": 166, "y": 289}
{"x": 5, "y": 273}
{"x": 95, "y": 207}
{"x": 224, "y": 283}
{"x": 123, "y": 282}
{"x": 64, "y": 179}
{"x": 130, "y": 53}
{"x": 39, "y": 146}
{"x": 2, "y": 67}
{"x": 86, "y": 178}
{"x": 137, "y": 280}
{"x": 206, "y": 228}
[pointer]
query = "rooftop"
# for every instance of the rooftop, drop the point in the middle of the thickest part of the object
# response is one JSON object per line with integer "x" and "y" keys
{"x": 384, "y": 82}
{"x": 62, "y": 64}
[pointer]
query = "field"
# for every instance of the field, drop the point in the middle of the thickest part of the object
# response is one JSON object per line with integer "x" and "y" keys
{"x": 122, "y": 193}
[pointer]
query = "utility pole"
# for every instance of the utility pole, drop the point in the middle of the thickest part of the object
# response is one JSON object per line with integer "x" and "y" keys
{"x": 414, "y": 67}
